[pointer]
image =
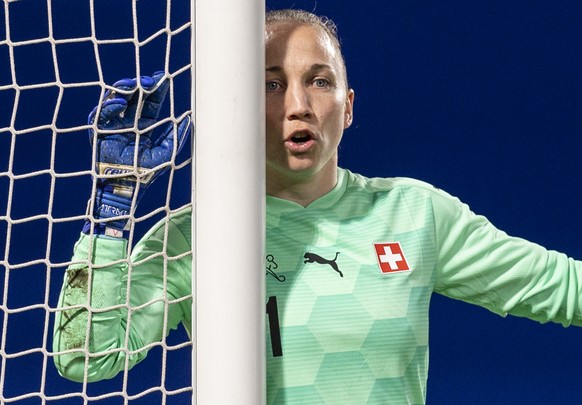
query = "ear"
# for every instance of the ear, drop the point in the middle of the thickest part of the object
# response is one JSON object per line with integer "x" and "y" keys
{"x": 349, "y": 109}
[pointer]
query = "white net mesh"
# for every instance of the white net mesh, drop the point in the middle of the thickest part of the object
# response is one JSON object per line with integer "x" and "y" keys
{"x": 56, "y": 59}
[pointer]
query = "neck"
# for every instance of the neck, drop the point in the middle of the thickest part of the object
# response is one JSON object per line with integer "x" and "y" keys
{"x": 301, "y": 188}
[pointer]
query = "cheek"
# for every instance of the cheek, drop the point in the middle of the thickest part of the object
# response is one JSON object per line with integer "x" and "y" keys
{"x": 272, "y": 128}
{"x": 272, "y": 134}
{"x": 273, "y": 120}
{"x": 335, "y": 120}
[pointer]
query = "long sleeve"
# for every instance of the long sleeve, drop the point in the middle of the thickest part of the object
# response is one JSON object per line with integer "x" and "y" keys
{"x": 483, "y": 265}
{"x": 112, "y": 306}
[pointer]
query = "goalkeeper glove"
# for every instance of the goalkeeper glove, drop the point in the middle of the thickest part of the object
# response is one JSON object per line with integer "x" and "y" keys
{"x": 127, "y": 160}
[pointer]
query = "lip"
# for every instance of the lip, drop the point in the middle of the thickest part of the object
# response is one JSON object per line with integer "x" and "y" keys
{"x": 300, "y": 147}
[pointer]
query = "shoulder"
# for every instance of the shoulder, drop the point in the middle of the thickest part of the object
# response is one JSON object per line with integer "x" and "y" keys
{"x": 405, "y": 203}
{"x": 358, "y": 182}
{"x": 182, "y": 217}
{"x": 178, "y": 224}
{"x": 400, "y": 192}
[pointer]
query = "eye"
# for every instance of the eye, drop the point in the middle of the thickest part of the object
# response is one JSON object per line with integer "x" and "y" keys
{"x": 272, "y": 86}
{"x": 321, "y": 83}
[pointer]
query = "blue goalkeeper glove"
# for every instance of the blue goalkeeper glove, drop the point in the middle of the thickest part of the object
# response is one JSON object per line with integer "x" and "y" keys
{"x": 127, "y": 160}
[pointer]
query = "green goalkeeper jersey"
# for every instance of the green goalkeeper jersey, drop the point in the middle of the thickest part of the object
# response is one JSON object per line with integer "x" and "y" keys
{"x": 349, "y": 280}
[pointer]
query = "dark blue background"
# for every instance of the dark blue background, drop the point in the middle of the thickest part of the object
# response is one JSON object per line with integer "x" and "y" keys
{"x": 480, "y": 98}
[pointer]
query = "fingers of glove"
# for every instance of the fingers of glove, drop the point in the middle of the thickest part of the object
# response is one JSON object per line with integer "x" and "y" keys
{"x": 136, "y": 98}
{"x": 164, "y": 146}
{"x": 153, "y": 102}
{"x": 162, "y": 151}
{"x": 113, "y": 116}
{"x": 120, "y": 148}
{"x": 162, "y": 86}
{"x": 129, "y": 85}
{"x": 108, "y": 110}
{"x": 110, "y": 117}
{"x": 129, "y": 90}
{"x": 166, "y": 141}
{"x": 109, "y": 99}
{"x": 184, "y": 130}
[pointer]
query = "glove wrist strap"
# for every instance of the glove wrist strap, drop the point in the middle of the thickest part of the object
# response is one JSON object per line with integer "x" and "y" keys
{"x": 113, "y": 205}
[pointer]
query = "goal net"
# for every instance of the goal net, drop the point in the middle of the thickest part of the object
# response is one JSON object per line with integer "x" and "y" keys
{"x": 57, "y": 58}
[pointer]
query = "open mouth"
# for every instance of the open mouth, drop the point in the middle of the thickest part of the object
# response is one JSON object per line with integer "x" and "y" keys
{"x": 300, "y": 142}
{"x": 301, "y": 138}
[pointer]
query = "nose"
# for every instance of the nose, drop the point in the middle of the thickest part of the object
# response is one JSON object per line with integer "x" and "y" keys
{"x": 298, "y": 102}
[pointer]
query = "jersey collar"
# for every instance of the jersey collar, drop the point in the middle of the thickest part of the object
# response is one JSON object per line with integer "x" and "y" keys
{"x": 279, "y": 205}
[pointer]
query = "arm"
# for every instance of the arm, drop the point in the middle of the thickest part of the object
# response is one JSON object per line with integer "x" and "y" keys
{"x": 482, "y": 265}
{"x": 105, "y": 272}
{"x": 107, "y": 294}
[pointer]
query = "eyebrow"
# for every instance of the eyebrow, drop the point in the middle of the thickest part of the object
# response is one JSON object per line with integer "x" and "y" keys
{"x": 317, "y": 67}
{"x": 274, "y": 69}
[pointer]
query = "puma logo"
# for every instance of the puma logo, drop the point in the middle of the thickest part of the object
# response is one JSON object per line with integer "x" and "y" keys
{"x": 315, "y": 258}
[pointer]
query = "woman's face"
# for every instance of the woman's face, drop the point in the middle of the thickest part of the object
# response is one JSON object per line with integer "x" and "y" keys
{"x": 308, "y": 102}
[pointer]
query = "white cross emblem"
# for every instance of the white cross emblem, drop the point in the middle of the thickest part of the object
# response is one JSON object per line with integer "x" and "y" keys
{"x": 391, "y": 257}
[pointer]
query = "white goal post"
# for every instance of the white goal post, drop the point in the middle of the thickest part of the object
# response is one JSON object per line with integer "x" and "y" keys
{"x": 229, "y": 201}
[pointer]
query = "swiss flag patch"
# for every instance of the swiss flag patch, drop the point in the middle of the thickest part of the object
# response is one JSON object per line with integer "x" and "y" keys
{"x": 391, "y": 257}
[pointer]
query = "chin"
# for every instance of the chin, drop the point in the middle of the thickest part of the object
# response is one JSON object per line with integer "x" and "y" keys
{"x": 302, "y": 168}
{"x": 291, "y": 169}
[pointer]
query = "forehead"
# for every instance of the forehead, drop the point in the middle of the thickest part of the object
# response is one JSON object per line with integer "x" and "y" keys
{"x": 287, "y": 43}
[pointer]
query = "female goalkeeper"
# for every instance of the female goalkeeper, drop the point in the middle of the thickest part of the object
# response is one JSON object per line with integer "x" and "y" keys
{"x": 351, "y": 261}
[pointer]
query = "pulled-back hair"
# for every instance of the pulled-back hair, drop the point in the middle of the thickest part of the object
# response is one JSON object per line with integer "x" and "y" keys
{"x": 307, "y": 18}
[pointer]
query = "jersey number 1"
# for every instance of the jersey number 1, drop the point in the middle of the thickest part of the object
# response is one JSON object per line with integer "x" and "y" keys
{"x": 274, "y": 328}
